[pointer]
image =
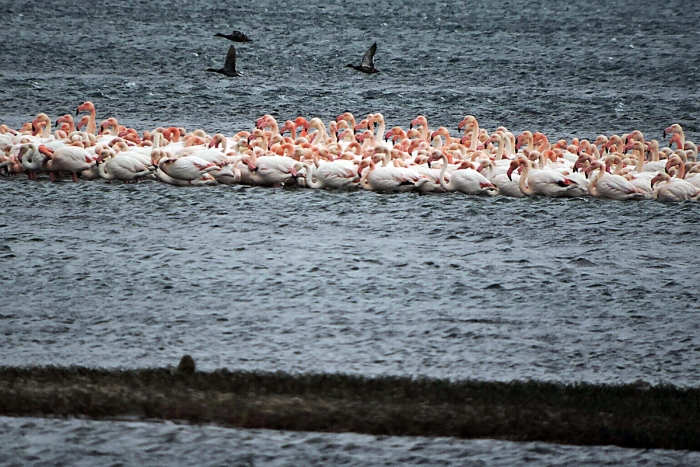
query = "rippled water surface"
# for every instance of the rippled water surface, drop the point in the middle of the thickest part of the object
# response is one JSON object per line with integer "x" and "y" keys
{"x": 446, "y": 285}
{"x": 29, "y": 441}
{"x": 299, "y": 280}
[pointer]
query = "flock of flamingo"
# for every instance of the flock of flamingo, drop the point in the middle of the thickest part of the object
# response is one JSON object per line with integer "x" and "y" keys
{"x": 349, "y": 155}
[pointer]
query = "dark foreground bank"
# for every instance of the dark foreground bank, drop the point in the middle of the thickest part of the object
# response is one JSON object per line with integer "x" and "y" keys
{"x": 626, "y": 415}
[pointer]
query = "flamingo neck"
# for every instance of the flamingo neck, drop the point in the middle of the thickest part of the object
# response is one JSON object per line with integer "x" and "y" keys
{"x": 365, "y": 175}
{"x": 475, "y": 136}
{"x": 522, "y": 183}
{"x": 46, "y": 129}
{"x": 103, "y": 172}
{"x": 380, "y": 130}
{"x": 501, "y": 149}
{"x": 681, "y": 171}
{"x": 310, "y": 175}
{"x": 92, "y": 122}
{"x": 445, "y": 186}
{"x": 592, "y": 188}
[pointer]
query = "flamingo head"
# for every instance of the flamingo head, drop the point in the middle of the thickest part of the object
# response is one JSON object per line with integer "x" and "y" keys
{"x": 485, "y": 144}
{"x": 435, "y": 155}
{"x": 364, "y": 164}
{"x": 469, "y": 120}
{"x": 675, "y": 128}
{"x": 364, "y": 124}
{"x": 82, "y": 122}
{"x": 519, "y": 141}
{"x": 48, "y": 152}
{"x": 631, "y": 145}
{"x": 262, "y": 122}
{"x": 300, "y": 122}
{"x": 419, "y": 120}
{"x": 514, "y": 164}
{"x": 347, "y": 116}
{"x": 64, "y": 119}
{"x": 661, "y": 177}
{"x": 672, "y": 162}
{"x": 85, "y": 106}
{"x": 594, "y": 165}
{"x": 579, "y": 162}
{"x": 360, "y": 137}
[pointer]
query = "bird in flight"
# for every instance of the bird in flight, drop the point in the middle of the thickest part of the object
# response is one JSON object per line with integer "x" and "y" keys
{"x": 367, "y": 65}
{"x": 229, "y": 68}
{"x": 235, "y": 36}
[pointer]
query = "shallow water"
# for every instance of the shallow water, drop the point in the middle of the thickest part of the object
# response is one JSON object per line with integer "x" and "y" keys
{"x": 36, "y": 441}
{"x": 299, "y": 280}
{"x": 445, "y": 286}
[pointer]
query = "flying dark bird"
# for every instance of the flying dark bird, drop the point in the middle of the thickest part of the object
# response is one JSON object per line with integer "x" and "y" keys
{"x": 367, "y": 65}
{"x": 235, "y": 36}
{"x": 229, "y": 68}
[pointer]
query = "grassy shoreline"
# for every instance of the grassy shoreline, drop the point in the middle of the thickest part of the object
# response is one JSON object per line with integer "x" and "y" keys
{"x": 638, "y": 416}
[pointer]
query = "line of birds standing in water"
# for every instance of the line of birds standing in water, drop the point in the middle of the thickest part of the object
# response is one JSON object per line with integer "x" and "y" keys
{"x": 229, "y": 69}
{"x": 348, "y": 155}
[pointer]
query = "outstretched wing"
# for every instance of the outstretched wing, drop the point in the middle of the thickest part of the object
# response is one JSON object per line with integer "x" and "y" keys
{"x": 368, "y": 59}
{"x": 230, "y": 63}
{"x": 239, "y": 36}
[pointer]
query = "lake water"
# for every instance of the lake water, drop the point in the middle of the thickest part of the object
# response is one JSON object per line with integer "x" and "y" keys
{"x": 444, "y": 285}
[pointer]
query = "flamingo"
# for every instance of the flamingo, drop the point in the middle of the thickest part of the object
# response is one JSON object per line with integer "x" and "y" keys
{"x": 182, "y": 168}
{"x": 544, "y": 182}
{"x": 672, "y": 189}
{"x": 92, "y": 123}
{"x": 31, "y": 159}
{"x": 508, "y": 183}
{"x": 273, "y": 171}
{"x": 121, "y": 167}
{"x": 70, "y": 159}
{"x": 385, "y": 179}
{"x": 465, "y": 180}
{"x": 611, "y": 186}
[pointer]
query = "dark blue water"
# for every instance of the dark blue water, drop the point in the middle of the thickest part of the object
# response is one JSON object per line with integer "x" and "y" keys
{"x": 446, "y": 286}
